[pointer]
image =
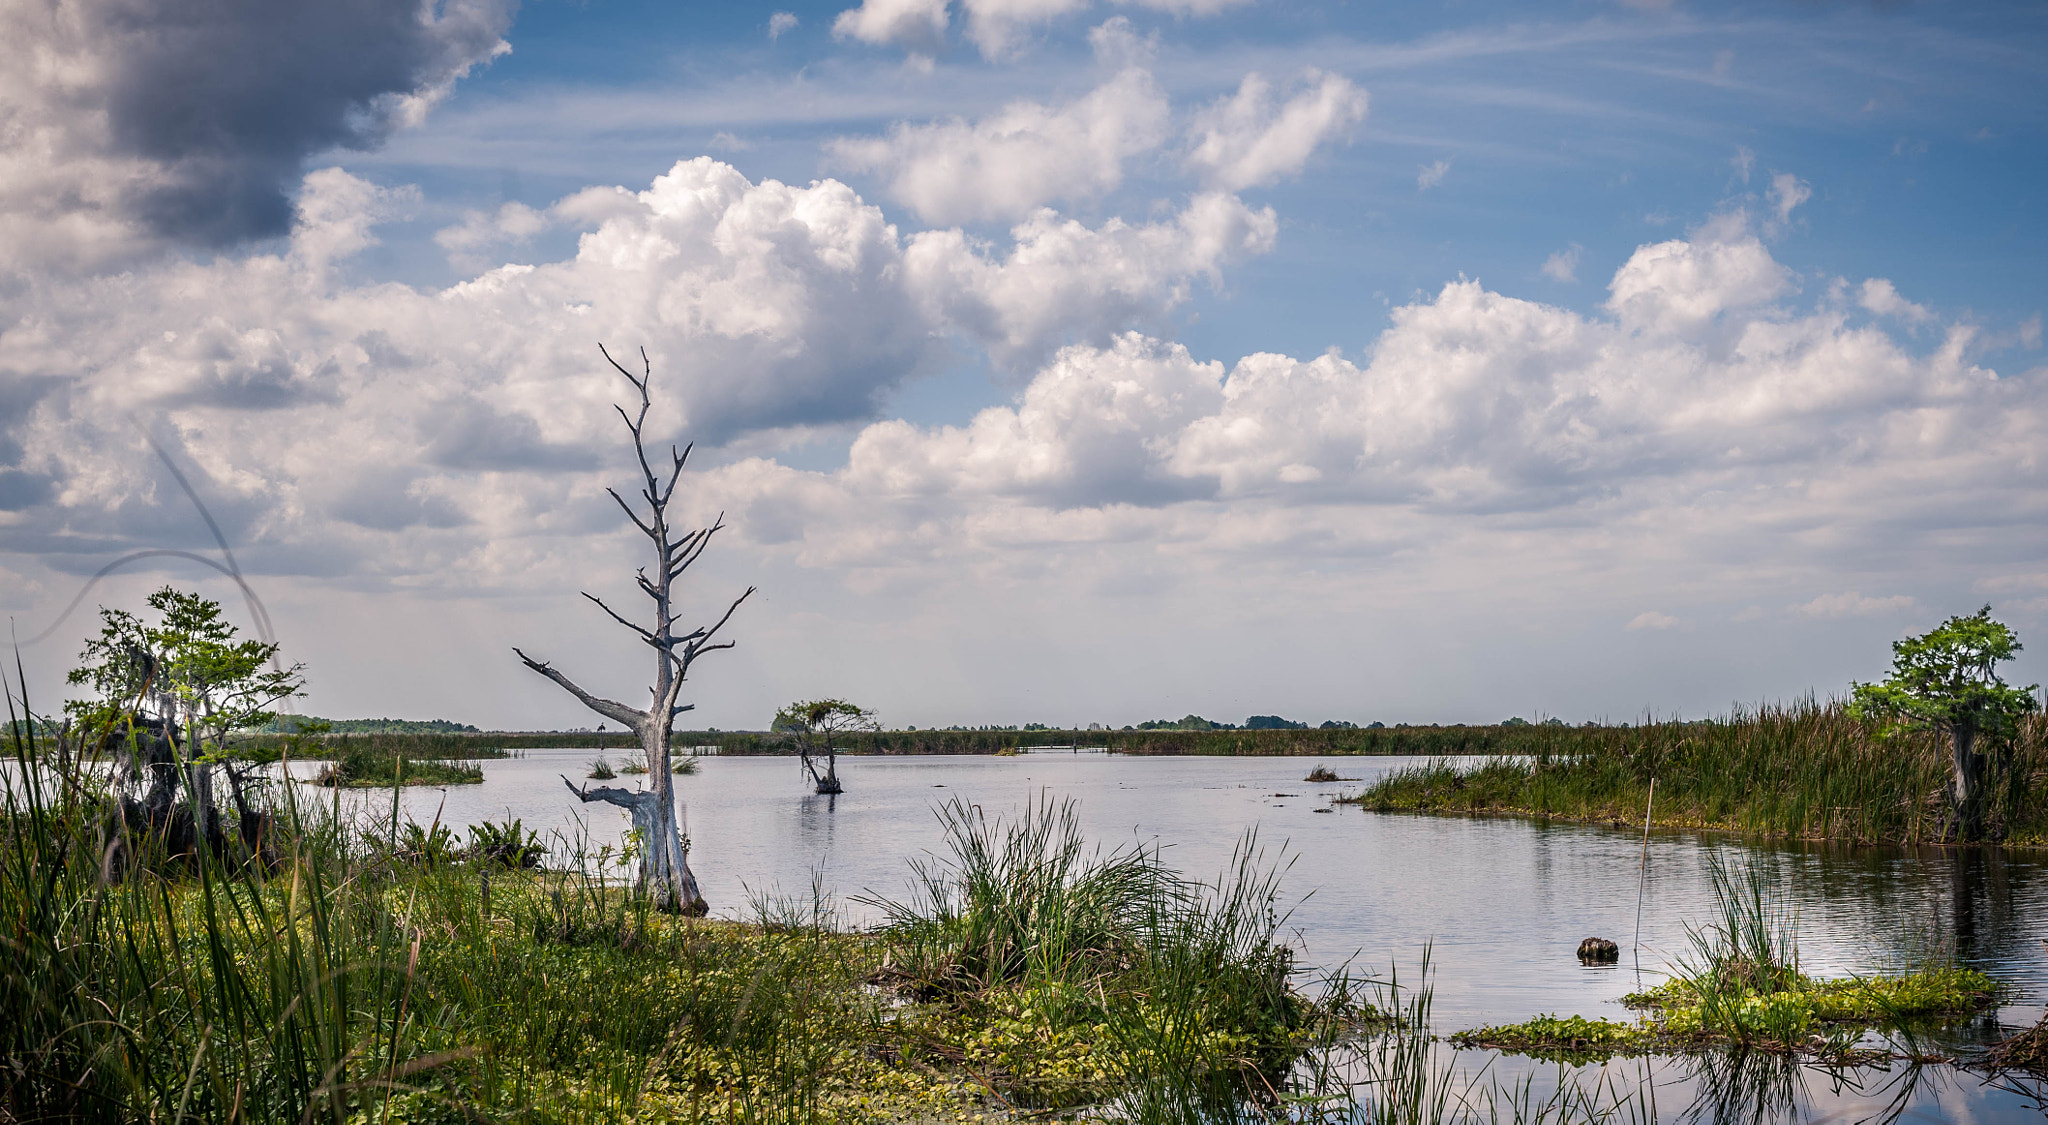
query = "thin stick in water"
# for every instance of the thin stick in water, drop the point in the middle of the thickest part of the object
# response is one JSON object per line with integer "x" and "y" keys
{"x": 1642, "y": 876}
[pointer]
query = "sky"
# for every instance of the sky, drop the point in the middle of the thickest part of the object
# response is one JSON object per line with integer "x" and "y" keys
{"x": 1057, "y": 361}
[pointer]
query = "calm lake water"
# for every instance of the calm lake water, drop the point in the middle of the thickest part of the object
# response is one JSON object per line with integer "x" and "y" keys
{"x": 1501, "y": 904}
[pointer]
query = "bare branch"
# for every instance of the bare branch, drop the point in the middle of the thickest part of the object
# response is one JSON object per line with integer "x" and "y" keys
{"x": 624, "y": 798}
{"x": 645, "y": 635}
{"x": 729, "y": 610}
{"x": 644, "y": 529}
{"x": 695, "y": 546}
{"x": 638, "y": 384}
{"x": 699, "y": 650}
{"x": 676, "y": 474}
{"x": 698, "y": 647}
{"x": 617, "y": 712}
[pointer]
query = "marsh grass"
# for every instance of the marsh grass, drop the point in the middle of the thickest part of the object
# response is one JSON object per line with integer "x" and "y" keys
{"x": 386, "y": 972}
{"x": 380, "y": 972}
{"x": 1741, "y": 984}
{"x": 210, "y": 991}
{"x": 1808, "y": 771}
{"x": 368, "y": 767}
{"x": 412, "y": 746}
{"x": 1569, "y": 1039}
{"x": 1101, "y": 974}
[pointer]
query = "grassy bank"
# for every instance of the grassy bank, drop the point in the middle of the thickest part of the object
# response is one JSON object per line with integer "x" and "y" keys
{"x": 1806, "y": 771}
{"x": 383, "y": 974}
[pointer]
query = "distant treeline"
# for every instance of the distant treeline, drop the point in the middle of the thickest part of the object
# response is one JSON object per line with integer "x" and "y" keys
{"x": 286, "y": 724}
{"x": 1524, "y": 738}
{"x": 419, "y": 747}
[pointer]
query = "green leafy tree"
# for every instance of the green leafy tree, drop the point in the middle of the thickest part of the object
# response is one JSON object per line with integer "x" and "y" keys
{"x": 168, "y": 699}
{"x": 817, "y": 726}
{"x": 1947, "y": 679}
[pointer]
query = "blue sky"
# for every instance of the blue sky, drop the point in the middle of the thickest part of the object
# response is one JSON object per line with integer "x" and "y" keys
{"x": 1605, "y": 358}
{"x": 1593, "y": 126}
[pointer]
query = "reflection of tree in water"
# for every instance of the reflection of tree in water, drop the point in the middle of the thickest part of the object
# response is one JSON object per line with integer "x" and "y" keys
{"x": 1757, "y": 1087}
{"x": 1981, "y": 901}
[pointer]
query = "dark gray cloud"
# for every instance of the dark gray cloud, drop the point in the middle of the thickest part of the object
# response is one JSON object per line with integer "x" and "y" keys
{"x": 388, "y": 501}
{"x": 471, "y": 435}
{"x": 189, "y": 120}
{"x": 20, "y": 490}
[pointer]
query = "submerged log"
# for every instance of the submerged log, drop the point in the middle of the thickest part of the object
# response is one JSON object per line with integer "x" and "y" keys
{"x": 1599, "y": 951}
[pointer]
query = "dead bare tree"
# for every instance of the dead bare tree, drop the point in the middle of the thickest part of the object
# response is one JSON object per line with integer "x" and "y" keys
{"x": 664, "y": 871}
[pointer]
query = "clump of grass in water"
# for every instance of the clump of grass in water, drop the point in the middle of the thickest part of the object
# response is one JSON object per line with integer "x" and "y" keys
{"x": 1570, "y": 1039}
{"x": 1742, "y": 984}
{"x": 1107, "y": 974}
{"x": 601, "y": 770}
{"x": 365, "y": 767}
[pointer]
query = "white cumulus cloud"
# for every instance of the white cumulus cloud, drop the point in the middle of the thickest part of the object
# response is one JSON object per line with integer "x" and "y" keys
{"x": 918, "y": 26}
{"x": 457, "y": 417}
{"x": 1685, "y": 420}
{"x": 1564, "y": 265}
{"x": 1063, "y": 280}
{"x": 1254, "y": 137}
{"x": 1879, "y": 296}
{"x": 468, "y": 241}
{"x": 1018, "y": 159}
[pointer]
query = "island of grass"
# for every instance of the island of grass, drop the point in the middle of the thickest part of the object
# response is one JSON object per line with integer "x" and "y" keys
{"x": 1742, "y": 987}
{"x": 1820, "y": 1018}
{"x": 1808, "y": 771}
{"x": 365, "y": 767}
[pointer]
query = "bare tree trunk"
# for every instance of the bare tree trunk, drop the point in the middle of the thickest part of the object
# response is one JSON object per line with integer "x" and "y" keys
{"x": 664, "y": 872}
{"x": 1967, "y": 782}
{"x": 830, "y": 785}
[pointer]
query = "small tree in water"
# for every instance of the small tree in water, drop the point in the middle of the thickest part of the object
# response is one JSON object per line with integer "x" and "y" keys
{"x": 169, "y": 698}
{"x": 1947, "y": 678}
{"x": 817, "y": 725}
{"x": 664, "y": 871}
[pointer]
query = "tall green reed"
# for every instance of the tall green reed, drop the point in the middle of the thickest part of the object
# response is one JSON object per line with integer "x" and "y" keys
{"x": 203, "y": 987}
{"x": 1807, "y": 770}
